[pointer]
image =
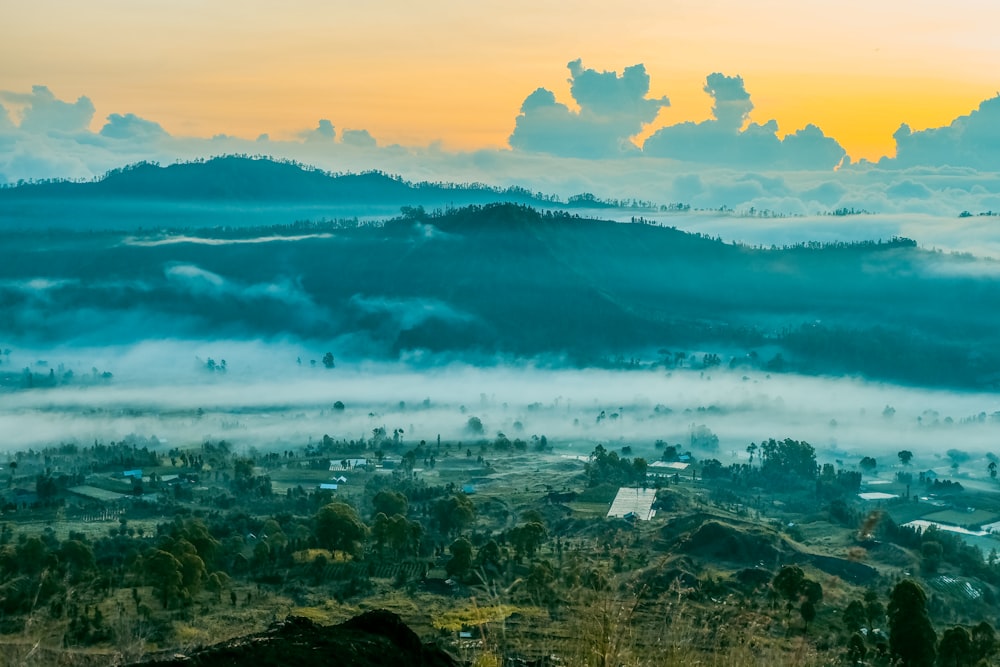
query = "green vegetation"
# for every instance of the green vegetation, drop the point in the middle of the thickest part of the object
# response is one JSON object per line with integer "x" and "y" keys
{"x": 770, "y": 562}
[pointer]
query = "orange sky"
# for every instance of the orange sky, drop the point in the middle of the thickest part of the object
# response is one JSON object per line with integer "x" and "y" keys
{"x": 457, "y": 71}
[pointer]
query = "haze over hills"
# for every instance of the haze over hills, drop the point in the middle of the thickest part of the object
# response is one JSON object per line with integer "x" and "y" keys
{"x": 487, "y": 280}
{"x": 234, "y": 191}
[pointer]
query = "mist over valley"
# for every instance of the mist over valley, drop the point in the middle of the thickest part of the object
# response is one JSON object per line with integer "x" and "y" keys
{"x": 324, "y": 392}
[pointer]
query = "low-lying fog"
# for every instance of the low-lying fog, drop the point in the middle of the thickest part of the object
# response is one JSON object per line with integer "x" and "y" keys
{"x": 975, "y": 235}
{"x": 276, "y": 396}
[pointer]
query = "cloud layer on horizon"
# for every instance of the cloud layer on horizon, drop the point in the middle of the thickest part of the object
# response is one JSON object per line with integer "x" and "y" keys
{"x": 726, "y": 161}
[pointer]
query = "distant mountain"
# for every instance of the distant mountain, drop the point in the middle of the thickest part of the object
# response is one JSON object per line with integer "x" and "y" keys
{"x": 506, "y": 279}
{"x": 235, "y": 190}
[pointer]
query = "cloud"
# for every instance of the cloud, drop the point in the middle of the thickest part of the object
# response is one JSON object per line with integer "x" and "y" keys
{"x": 201, "y": 282}
{"x": 732, "y": 105}
{"x": 201, "y": 240}
{"x": 358, "y": 138}
{"x": 908, "y": 190}
{"x": 325, "y": 131}
{"x": 268, "y": 401}
{"x": 408, "y": 313}
{"x": 613, "y": 109}
{"x": 969, "y": 141}
{"x": 130, "y": 126}
{"x": 6, "y": 124}
{"x": 564, "y": 151}
{"x": 41, "y": 112}
{"x": 730, "y": 139}
{"x": 196, "y": 279}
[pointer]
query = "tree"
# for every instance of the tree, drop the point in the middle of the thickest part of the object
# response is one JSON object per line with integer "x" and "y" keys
{"x": 703, "y": 438}
{"x": 808, "y": 612}
{"x": 404, "y": 536}
{"x": 166, "y": 575}
{"x": 454, "y": 513}
{"x": 868, "y": 464}
{"x": 932, "y": 552}
{"x": 992, "y": 468}
{"x": 853, "y": 616}
{"x": 216, "y": 583}
{"x": 390, "y": 503}
{"x": 856, "y": 649}
{"x": 526, "y": 539}
{"x": 984, "y": 641}
{"x": 461, "y": 557}
{"x": 788, "y": 583}
{"x": 905, "y": 456}
{"x": 958, "y": 457}
{"x": 874, "y": 610}
{"x": 488, "y": 560}
{"x": 955, "y": 649}
{"x": 788, "y": 580}
{"x": 811, "y": 590}
{"x": 474, "y": 426}
{"x": 911, "y": 636}
{"x": 79, "y": 558}
{"x": 787, "y": 457}
{"x": 339, "y": 528}
{"x": 328, "y": 360}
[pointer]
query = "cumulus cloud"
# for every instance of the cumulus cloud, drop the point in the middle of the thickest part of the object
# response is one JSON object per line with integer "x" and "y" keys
{"x": 730, "y": 139}
{"x": 613, "y": 109}
{"x": 358, "y": 138}
{"x": 42, "y": 112}
{"x": 969, "y": 141}
{"x": 130, "y": 126}
{"x": 729, "y": 160}
{"x": 325, "y": 131}
{"x": 732, "y": 105}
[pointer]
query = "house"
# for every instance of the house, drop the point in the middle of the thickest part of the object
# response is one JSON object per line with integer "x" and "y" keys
{"x": 672, "y": 466}
{"x": 876, "y": 496}
{"x": 637, "y": 502}
{"x": 347, "y": 464}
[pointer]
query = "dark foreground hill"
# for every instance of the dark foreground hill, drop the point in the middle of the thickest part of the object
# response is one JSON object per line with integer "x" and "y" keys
{"x": 374, "y": 639}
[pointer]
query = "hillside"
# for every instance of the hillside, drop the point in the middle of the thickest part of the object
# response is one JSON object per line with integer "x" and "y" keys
{"x": 511, "y": 280}
{"x": 372, "y": 639}
{"x": 231, "y": 190}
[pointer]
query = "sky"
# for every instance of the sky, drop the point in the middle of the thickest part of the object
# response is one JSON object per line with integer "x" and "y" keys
{"x": 456, "y": 72}
{"x": 798, "y": 107}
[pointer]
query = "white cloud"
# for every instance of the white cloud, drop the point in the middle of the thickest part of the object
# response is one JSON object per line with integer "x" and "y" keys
{"x": 730, "y": 139}
{"x": 613, "y": 109}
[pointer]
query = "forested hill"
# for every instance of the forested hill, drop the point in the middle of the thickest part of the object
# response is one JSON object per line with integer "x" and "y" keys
{"x": 510, "y": 280}
{"x": 231, "y": 190}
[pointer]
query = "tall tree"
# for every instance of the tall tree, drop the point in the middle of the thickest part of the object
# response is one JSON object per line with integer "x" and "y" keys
{"x": 984, "y": 641}
{"x": 911, "y": 636}
{"x": 339, "y": 528}
{"x": 955, "y": 649}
